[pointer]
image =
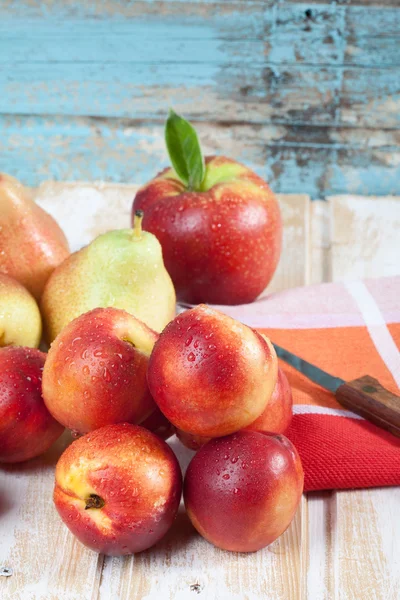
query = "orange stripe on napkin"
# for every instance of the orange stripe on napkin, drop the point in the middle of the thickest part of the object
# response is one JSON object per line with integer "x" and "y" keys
{"x": 341, "y": 351}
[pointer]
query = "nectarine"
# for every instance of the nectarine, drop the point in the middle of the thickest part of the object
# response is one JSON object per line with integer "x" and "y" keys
{"x": 275, "y": 418}
{"x": 118, "y": 489}
{"x": 27, "y": 429}
{"x": 95, "y": 372}
{"x": 241, "y": 491}
{"x": 211, "y": 375}
{"x": 278, "y": 413}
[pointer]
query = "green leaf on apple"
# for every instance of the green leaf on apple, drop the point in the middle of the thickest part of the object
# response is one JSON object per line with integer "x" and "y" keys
{"x": 184, "y": 151}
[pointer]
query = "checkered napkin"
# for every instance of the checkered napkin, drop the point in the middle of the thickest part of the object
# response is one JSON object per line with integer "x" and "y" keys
{"x": 350, "y": 330}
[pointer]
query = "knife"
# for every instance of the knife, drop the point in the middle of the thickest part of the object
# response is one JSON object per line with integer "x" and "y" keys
{"x": 364, "y": 396}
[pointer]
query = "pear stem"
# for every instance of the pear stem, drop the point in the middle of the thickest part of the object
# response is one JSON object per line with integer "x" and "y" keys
{"x": 137, "y": 224}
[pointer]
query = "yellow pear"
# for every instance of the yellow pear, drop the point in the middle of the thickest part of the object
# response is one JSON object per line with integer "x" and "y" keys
{"x": 20, "y": 321}
{"x": 123, "y": 269}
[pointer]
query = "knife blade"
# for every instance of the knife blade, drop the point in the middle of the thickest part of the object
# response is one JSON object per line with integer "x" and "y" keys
{"x": 364, "y": 396}
{"x": 312, "y": 372}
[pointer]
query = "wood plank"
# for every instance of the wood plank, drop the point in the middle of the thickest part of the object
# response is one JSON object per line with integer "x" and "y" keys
{"x": 43, "y": 556}
{"x": 368, "y": 544}
{"x": 320, "y": 572}
{"x": 101, "y": 207}
{"x": 372, "y": 35}
{"x": 327, "y": 34}
{"x": 321, "y": 582}
{"x": 365, "y": 236}
{"x": 277, "y": 93}
{"x": 364, "y": 529}
{"x": 279, "y": 65}
{"x": 334, "y": 34}
{"x": 316, "y": 160}
{"x": 293, "y": 269}
{"x": 106, "y": 8}
{"x": 320, "y": 262}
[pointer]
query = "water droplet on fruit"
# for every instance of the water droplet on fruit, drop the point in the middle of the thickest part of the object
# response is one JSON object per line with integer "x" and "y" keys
{"x": 191, "y": 357}
{"x": 161, "y": 473}
{"x": 106, "y": 374}
{"x": 196, "y": 344}
{"x": 234, "y": 459}
{"x": 86, "y": 370}
{"x": 208, "y": 336}
{"x": 236, "y": 490}
{"x": 189, "y": 340}
{"x": 84, "y": 354}
{"x": 212, "y": 347}
{"x": 226, "y": 476}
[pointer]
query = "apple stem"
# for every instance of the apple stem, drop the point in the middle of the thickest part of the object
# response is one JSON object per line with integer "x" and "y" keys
{"x": 137, "y": 223}
{"x": 94, "y": 501}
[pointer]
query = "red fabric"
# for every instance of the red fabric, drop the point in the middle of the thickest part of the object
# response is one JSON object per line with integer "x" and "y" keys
{"x": 343, "y": 453}
{"x": 349, "y": 330}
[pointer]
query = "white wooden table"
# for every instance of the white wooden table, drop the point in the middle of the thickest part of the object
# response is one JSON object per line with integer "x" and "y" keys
{"x": 340, "y": 546}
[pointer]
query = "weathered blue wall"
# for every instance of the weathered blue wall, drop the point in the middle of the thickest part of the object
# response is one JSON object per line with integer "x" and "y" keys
{"x": 306, "y": 93}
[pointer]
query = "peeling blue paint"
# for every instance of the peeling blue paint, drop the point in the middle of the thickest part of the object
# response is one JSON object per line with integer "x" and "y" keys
{"x": 328, "y": 67}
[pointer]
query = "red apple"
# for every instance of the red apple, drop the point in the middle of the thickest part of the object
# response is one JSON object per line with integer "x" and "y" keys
{"x": 211, "y": 375}
{"x": 275, "y": 418}
{"x": 27, "y": 429}
{"x": 95, "y": 372}
{"x": 278, "y": 413}
{"x": 118, "y": 489}
{"x": 241, "y": 491}
{"x": 221, "y": 244}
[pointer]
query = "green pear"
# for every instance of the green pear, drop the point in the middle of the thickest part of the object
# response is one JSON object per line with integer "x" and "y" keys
{"x": 20, "y": 321}
{"x": 123, "y": 269}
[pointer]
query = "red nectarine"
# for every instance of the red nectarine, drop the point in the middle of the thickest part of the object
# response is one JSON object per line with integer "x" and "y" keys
{"x": 95, "y": 372}
{"x": 118, "y": 489}
{"x": 275, "y": 418}
{"x": 278, "y": 413}
{"x": 242, "y": 491}
{"x": 27, "y": 429}
{"x": 211, "y": 375}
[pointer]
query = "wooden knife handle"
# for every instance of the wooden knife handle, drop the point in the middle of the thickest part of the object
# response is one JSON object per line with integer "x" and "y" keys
{"x": 368, "y": 398}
